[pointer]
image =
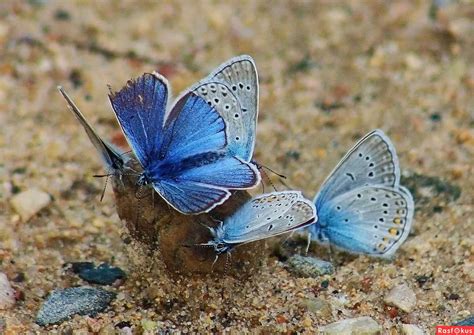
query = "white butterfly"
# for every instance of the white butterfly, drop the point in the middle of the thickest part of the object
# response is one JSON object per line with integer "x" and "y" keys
{"x": 361, "y": 206}
{"x": 262, "y": 217}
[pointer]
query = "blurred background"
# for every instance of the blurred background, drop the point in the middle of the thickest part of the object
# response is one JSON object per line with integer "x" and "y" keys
{"x": 330, "y": 71}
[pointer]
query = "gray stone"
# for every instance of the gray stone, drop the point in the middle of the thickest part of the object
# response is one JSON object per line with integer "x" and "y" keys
{"x": 30, "y": 202}
{"x": 60, "y": 305}
{"x": 466, "y": 322}
{"x": 357, "y": 326}
{"x": 318, "y": 306}
{"x": 7, "y": 294}
{"x": 407, "y": 329}
{"x": 402, "y": 297}
{"x": 309, "y": 266}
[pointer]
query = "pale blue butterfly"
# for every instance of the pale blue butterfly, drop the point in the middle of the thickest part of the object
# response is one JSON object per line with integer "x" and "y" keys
{"x": 361, "y": 206}
{"x": 264, "y": 216}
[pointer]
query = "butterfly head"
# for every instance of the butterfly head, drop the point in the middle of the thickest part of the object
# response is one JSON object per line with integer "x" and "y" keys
{"x": 143, "y": 179}
{"x": 318, "y": 233}
{"x": 217, "y": 242}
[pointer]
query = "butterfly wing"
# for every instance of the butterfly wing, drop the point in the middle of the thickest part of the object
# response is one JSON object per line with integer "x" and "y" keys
{"x": 140, "y": 108}
{"x": 112, "y": 157}
{"x": 268, "y": 215}
{"x": 194, "y": 173}
{"x": 201, "y": 188}
{"x": 232, "y": 89}
{"x": 372, "y": 161}
{"x": 372, "y": 220}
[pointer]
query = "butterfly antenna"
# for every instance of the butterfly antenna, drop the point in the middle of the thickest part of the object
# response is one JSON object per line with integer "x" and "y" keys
{"x": 282, "y": 176}
{"x": 268, "y": 179}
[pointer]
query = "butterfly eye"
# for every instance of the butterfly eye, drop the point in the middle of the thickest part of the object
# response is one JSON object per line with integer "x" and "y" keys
{"x": 216, "y": 100}
{"x": 236, "y": 115}
{"x": 373, "y": 199}
{"x": 248, "y": 88}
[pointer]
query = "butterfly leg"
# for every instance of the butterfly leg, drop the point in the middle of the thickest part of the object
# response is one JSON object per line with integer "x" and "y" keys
{"x": 215, "y": 261}
{"x": 287, "y": 238}
{"x": 103, "y": 190}
{"x": 308, "y": 244}
{"x": 227, "y": 263}
{"x": 331, "y": 259}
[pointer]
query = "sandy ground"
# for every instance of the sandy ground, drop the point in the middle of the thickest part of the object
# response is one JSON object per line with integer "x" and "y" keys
{"x": 330, "y": 71}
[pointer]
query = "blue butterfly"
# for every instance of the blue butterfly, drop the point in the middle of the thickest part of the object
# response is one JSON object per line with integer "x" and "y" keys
{"x": 262, "y": 217}
{"x": 182, "y": 150}
{"x": 361, "y": 206}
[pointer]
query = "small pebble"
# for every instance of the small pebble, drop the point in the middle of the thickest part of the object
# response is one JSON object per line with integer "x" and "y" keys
{"x": 148, "y": 325}
{"x": 468, "y": 270}
{"x": 30, "y": 202}
{"x": 466, "y": 322}
{"x": 360, "y": 326}
{"x": 319, "y": 307}
{"x": 303, "y": 266}
{"x": 104, "y": 274}
{"x": 7, "y": 293}
{"x": 407, "y": 329}
{"x": 401, "y": 296}
{"x": 62, "y": 304}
